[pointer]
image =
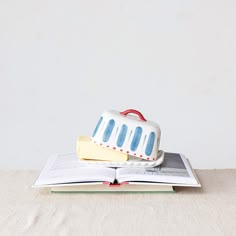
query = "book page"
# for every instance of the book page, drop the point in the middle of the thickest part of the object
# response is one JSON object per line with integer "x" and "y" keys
{"x": 174, "y": 169}
{"x": 67, "y": 168}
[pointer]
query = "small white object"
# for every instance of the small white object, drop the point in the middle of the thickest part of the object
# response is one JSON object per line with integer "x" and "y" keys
{"x": 128, "y": 132}
{"x": 132, "y": 162}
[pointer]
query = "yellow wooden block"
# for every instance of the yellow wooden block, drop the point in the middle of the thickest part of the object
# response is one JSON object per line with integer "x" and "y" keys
{"x": 86, "y": 149}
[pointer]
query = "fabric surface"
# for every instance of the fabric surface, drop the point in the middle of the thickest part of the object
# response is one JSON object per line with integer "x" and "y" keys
{"x": 210, "y": 210}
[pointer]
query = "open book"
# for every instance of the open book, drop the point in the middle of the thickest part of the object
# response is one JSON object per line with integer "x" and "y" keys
{"x": 66, "y": 170}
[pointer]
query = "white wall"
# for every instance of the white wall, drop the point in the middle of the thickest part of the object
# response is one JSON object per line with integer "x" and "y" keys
{"x": 63, "y": 62}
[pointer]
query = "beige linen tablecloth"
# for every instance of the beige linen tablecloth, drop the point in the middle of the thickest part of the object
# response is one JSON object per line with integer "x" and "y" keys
{"x": 210, "y": 210}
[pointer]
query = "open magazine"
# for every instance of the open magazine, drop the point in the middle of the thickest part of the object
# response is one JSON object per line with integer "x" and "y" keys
{"x": 67, "y": 169}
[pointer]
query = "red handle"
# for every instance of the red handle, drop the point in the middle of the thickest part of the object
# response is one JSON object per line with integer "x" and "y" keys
{"x": 141, "y": 117}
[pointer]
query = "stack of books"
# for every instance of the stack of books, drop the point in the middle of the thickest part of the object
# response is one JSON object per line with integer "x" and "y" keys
{"x": 67, "y": 173}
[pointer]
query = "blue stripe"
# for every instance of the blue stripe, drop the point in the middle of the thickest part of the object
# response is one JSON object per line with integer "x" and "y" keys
{"x": 108, "y": 130}
{"x": 150, "y": 144}
{"x": 136, "y": 138}
{"x": 122, "y": 135}
{"x": 97, "y": 126}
